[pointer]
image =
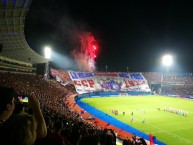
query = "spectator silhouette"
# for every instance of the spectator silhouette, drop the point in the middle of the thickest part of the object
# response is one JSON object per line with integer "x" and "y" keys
{"x": 7, "y": 104}
{"x": 58, "y": 139}
{"x": 19, "y": 129}
{"x": 90, "y": 140}
{"x": 126, "y": 142}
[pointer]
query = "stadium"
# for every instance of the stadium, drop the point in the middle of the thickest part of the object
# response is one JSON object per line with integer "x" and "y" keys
{"x": 117, "y": 107}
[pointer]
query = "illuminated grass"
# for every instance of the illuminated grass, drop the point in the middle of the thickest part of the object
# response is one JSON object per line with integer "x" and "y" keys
{"x": 169, "y": 128}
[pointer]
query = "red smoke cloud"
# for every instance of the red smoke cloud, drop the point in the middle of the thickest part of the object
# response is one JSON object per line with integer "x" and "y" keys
{"x": 86, "y": 51}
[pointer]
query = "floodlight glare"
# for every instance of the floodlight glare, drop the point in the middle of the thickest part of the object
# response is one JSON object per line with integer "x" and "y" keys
{"x": 47, "y": 52}
{"x": 167, "y": 60}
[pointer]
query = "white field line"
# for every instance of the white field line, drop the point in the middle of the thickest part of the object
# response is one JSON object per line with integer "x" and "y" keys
{"x": 171, "y": 134}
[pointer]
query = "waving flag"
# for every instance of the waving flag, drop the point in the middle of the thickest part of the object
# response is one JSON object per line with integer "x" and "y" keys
{"x": 107, "y": 124}
{"x": 120, "y": 130}
{"x": 82, "y": 111}
{"x": 151, "y": 140}
{"x": 90, "y": 118}
{"x": 74, "y": 105}
{"x": 96, "y": 121}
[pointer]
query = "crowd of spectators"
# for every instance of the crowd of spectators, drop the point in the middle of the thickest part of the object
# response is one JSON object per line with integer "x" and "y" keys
{"x": 171, "y": 83}
{"x": 158, "y": 77}
{"x": 152, "y": 77}
{"x": 177, "y": 90}
{"x": 175, "y": 78}
{"x": 64, "y": 126}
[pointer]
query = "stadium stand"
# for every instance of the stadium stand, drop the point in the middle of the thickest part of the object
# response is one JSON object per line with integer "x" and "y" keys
{"x": 65, "y": 124}
{"x": 52, "y": 104}
{"x": 52, "y": 101}
{"x": 15, "y": 54}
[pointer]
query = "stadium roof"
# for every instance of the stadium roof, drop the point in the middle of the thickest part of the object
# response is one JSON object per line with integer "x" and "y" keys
{"x": 12, "y": 39}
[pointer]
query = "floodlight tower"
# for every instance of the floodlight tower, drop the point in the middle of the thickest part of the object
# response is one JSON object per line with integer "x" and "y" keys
{"x": 127, "y": 69}
{"x": 47, "y": 54}
{"x": 167, "y": 61}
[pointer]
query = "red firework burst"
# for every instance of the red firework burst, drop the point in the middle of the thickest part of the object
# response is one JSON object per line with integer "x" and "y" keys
{"x": 86, "y": 54}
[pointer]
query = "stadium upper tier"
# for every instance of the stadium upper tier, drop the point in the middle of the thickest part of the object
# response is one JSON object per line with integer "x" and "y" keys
{"x": 13, "y": 45}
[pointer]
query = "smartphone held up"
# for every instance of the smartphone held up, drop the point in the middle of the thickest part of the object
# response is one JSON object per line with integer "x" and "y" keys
{"x": 23, "y": 99}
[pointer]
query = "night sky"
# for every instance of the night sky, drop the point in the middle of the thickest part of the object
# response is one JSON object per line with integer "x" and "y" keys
{"x": 134, "y": 34}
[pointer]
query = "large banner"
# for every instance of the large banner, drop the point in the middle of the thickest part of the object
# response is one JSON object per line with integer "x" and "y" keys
{"x": 83, "y": 81}
{"x": 86, "y": 82}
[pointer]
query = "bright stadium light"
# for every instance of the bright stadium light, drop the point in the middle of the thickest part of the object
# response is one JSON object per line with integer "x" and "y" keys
{"x": 47, "y": 52}
{"x": 167, "y": 60}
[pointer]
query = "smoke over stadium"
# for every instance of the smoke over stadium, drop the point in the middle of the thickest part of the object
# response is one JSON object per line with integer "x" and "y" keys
{"x": 85, "y": 52}
{"x": 82, "y": 43}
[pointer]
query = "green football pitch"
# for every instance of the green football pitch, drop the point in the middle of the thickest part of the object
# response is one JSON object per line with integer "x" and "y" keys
{"x": 167, "y": 126}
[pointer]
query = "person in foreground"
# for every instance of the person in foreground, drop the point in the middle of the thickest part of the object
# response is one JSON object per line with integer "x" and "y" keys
{"x": 19, "y": 129}
{"x": 8, "y": 98}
